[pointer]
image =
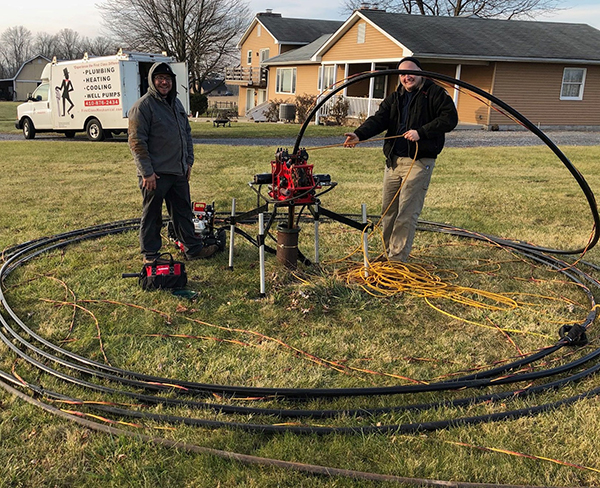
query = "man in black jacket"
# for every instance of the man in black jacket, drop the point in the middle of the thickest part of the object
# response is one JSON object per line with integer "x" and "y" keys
{"x": 418, "y": 113}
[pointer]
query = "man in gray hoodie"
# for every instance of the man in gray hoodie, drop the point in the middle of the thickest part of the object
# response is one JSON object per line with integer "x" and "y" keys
{"x": 160, "y": 139}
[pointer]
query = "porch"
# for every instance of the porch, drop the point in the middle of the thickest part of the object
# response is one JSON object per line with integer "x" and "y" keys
{"x": 251, "y": 76}
{"x": 364, "y": 96}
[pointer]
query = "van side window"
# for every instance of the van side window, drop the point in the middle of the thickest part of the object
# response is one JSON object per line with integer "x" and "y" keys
{"x": 41, "y": 91}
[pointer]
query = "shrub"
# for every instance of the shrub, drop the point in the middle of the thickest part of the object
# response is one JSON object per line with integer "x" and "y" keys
{"x": 304, "y": 103}
{"x": 272, "y": 112}
{"x": 198, "y": 103}
{"x": 339, "y": 110}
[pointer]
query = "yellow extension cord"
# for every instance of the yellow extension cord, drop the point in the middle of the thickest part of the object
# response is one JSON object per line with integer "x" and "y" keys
{"x": 385, "y": 278}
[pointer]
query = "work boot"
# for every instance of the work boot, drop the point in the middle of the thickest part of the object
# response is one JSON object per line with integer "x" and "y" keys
{"x": 205, "y": 252}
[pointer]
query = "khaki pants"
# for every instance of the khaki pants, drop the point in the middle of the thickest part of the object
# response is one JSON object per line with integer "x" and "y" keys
{"x": 400, "y": 221}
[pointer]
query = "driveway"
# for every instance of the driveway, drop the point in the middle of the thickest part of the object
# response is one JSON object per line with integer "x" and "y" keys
{"x": 457, "y": 138}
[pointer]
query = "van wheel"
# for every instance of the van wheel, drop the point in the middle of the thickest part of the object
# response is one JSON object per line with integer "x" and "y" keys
{"x": 69, "y": 134}
{"x": 94, "y": 130}
{"x": 28, "y": 129}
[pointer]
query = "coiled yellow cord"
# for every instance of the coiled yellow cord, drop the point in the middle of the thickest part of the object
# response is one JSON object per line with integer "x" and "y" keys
{"x": 384, "y": 278}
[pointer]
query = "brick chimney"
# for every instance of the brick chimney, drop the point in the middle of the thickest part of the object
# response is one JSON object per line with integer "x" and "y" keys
{"x": 370, "y": 6}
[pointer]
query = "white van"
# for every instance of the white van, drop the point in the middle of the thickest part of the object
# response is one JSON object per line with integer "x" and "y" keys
{"x": 93, "y": 95}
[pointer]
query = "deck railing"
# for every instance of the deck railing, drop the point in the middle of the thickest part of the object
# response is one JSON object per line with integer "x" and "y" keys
{"x": 359, "y": 107}
{"x": 246, "y": 75}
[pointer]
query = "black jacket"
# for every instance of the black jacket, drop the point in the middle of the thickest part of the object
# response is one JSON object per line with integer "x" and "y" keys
{"x": 431, "y": 113}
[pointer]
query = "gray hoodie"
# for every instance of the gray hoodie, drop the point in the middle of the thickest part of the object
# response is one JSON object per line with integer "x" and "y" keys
{"x": 160, "y": 136}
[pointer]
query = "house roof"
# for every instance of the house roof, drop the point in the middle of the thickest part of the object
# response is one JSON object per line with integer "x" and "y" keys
{"x": 302, "y": 55}
{"x": 298, "y": 31}
{"x": 481, "y": 39}
{"x": 292, "y": 31}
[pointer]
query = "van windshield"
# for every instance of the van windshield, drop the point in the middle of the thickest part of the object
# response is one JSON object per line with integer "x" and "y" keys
{"x": 42, "y": 92}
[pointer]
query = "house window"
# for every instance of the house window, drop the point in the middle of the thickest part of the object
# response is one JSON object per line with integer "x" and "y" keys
{"x": 264, "y": 55}
{"x": 258, "y": 30}
{"x": 327, "y": 74}
{"x": 262, "y": 96}
{"x": 249, "y": 57}
{"x": 572, "y": 84}
{"x": 362, "y": 32}
{"x": 285, "y": 80}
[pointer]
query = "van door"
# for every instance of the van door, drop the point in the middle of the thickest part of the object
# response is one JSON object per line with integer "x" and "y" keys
{"x": 183, "y": 87}
{"x": 39, "y": 108}
{"x": 130, "y": 84}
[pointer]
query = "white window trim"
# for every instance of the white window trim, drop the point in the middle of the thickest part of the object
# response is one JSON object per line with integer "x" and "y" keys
{"x": 580, "y": 97}
{"x": 277, "y": 81}
{"x": 321, "y": 80}
{"x": 249, "y": 56}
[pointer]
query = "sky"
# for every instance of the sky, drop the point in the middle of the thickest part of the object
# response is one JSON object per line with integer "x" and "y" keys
{"x": 84, "y": 17}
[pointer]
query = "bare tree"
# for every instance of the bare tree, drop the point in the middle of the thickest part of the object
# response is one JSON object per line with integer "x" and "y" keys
{"x": 45, "y": 44}
{"x": 17, "y": 45}
{"x": 499, "y": 9}
{"x": 15, "y": 48}
{"x": 201, "y": 32}
{"x": 101, "y": 46}
{"x": 69, "y": 44}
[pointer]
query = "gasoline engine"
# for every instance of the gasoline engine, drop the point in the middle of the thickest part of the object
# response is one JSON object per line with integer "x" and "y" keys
{"x": 204, "y": 227}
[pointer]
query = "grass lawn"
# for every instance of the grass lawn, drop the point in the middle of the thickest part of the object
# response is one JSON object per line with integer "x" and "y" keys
{"x": 313, "y": 330}
{"x": 8, "y": 115}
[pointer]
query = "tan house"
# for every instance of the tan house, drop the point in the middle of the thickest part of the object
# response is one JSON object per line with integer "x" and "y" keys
{"x": 270, "y": 35}
{"x": 548, "y": 71}
{"x": 25, "y": 81}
